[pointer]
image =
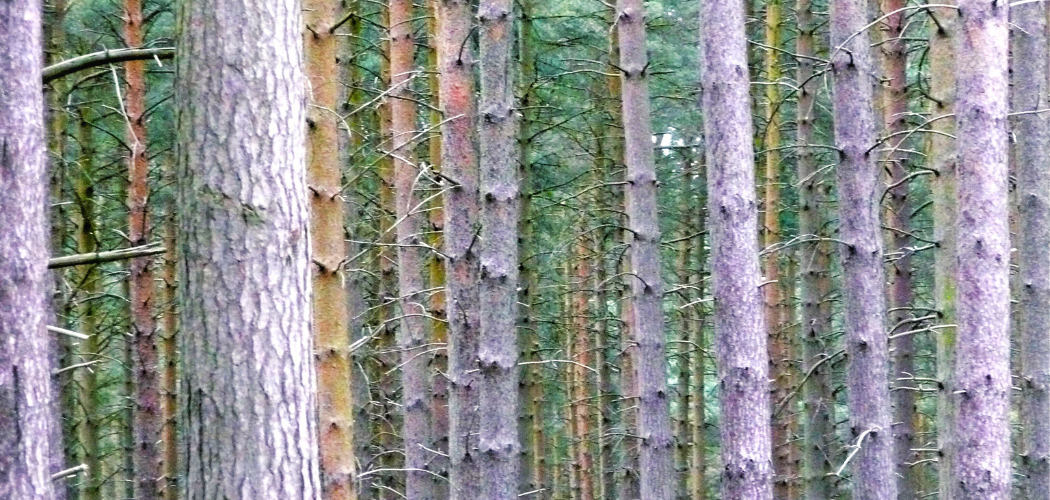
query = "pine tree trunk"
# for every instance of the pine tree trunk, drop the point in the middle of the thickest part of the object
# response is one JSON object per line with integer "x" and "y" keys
{"x": 25, "y": 382}
{"x": 459, "y": 166}
{"x": 583, "y": 460}
{"x": 329, "y": 307}
{"x": 169, "y": 348}
{"x": 982, "y": 386}
{"x": 859, "y": 188}
{"x": 893, "y": 61}
{"x": 1033, "y": 184}
{"x": 147, "y": 395}
{"x": 498, "y": 348}
{"x": 818, "y": 404}
{"x": 249, "y": 402}
{"x": 654, "y": 424}
{"x": 743, "y": 363}
{"x": 941, "y": 156}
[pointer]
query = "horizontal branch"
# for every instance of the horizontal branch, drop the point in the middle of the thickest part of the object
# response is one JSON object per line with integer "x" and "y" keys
{"x": 100, "y": 257}
{"x": 70, "y": 66}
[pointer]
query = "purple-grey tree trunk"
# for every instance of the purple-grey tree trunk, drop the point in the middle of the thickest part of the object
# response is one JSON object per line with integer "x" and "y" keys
{"x": 981, "y": 393}
{"x": 248, "y": 393}
{"x": 650, "y": 365}
{"x": 1033, "y": 196}
{"x": 498, "y": 441}
{"x": 25, "y": 381}
{"x": 860, "y": 231}
{"x": 743, "y": 361}
{"x": 460, "y": 167}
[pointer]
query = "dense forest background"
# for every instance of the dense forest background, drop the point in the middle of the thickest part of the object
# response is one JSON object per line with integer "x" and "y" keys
{"x": 617, "y": 321}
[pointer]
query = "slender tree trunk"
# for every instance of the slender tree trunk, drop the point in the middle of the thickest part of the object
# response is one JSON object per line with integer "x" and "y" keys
{"x": 250, "y": 420}
{"x": 654, "y": 424}
{"x": 583, "y": 460}
{"x": 169, "y": 349}
{"x": 697, "y": 400}
{"x": 893, "y": 62}
{"x": 147, "y": 396}
{"x": 743, "y": 363}
{"x": 982, "y": 383}
{"x": 329, "y": 306}
{"x": 1033, "y": 183}
{"x": 412, "y": 339}
{"x": 90, "y": 276}
{"x": 859, "y": 188}
{"x": 498, "y": 350}
{"x": 460, "y": 167}
{"x": 780, "y": 356}
{"x": 25, "y": 390}
{"x": 818, "y": 403}
{"x": 684, "y": 350}
{"x": 941, "y": 156}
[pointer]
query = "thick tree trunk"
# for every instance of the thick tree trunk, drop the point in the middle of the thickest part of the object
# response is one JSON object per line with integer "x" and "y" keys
{"x": 498, "y": 349}
{"x": 249, "y": 406}
{"x": 981, "y": 391}
{"x": 654, "y": 424}
{"x": 1033, "y": 185}
{"x": 818, "y": 403}
{"x": 859, "y": 188}
{"x": 147, "y": 395}
{"x": 329, "y": 306}
{"x": 893, "y": 62}
{"x": 743, "y": 362}
{"x": 25, "y": 384}
{"x": 941, "y": 156}
{"x": 412, "y": 338}
{"x": 459, "y": 166}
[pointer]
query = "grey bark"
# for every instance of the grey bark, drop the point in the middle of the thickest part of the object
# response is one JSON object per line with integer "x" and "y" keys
{"x": 656, "y": 467}
{"x": 859, "y": 188}
{"x": 249, "y": 409}
{"x": 459, "y": 165}
{"x": 740, "y": 335}
{"x": 498, "y": 439}
{"x": 25, "y": 382}
{"x": 981, "y": 393}
{"x": 1033, "y": 192}
{"x": 818, "y": 404}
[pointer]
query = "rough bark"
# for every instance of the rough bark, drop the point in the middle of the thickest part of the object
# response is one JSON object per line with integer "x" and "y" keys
{"x": 248, "y": 404}
{"x": 743, "y": 362}
{"x": 329, "y": 306}
{"x": 1033, "y": 185}
{"x": 941, "y": 156}
{"x": 498, "y": 441}
{"x": 169, "y": 349}
{"x": 459, "y": 166}
{"x": 859, "y": 188}
{"x": 25, "y": 390}
{"x": 981, "y": 392}
{"x": 815, "y": 259}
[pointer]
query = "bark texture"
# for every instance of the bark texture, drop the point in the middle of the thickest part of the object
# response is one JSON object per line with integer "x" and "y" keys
{"x": 145, "y": 360}
{"x": 981, "y": 392}
{"x": 650, "y": 365}
{"x": 329, "y": 307}
{"x": 460, "y": 168}
{"x": 743, "y": 363}
{"x": 1033, "y": 192}
{"x": 498, "y": 441}
{"x": 863, "y": 287}
{"x": 25, "y": 384}
{"x": 169, "y": 348}
{"x": 815, "y": 259}
{"x": 249, "y": 411}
